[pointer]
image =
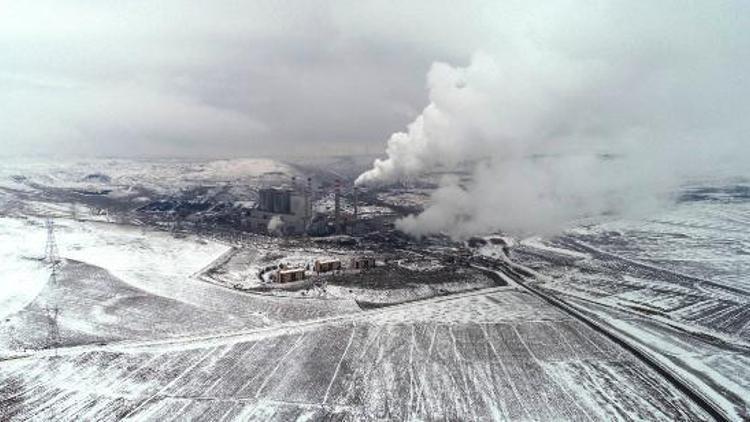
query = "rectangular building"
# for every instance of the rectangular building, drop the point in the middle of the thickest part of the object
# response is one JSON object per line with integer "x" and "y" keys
{"x": 274, "y": 200}
{"x": 327, "y": 265}
{"x": 289, "y": 275}
{"x": 291, "y": 208}
{"x": 362, "y": 263}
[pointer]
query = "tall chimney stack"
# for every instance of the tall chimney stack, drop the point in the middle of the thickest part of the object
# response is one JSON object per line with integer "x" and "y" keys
{"x": 337, "y": 206}
{"x": 309, "y": 199}
{"x": 356, "y": 191}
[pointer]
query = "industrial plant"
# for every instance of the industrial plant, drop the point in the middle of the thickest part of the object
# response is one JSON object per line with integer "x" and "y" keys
{"x": 288, "y": 291}
{"x": 299, "y": 210}
{"x": 348, "y": 211}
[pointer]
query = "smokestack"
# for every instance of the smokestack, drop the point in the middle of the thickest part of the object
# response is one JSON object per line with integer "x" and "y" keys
{"x": 309, "y": 199}
{"x": 337, "y": 205}
{"x": 356, "y": 191}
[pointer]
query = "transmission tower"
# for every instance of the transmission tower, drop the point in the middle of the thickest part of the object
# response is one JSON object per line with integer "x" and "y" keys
{"x": 50, "y": 251}
{"x": 53, "y": 330}
{"x": 13, "y": 342}
{"x": 51, "y": 255}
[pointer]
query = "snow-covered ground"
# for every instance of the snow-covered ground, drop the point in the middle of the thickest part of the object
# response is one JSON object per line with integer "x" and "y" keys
{"x": 678, "y": 283}
{"x": 708, "y": 239}
{"x": 154, "y": 261}
{"x": 520, "y": 360}
{"x": 22, "y": 275}
{"x": 161, "y": 176}
{"x": 486, "y": 353}
{"x": 124, "y": 282}
{"x": 167, "y": 266}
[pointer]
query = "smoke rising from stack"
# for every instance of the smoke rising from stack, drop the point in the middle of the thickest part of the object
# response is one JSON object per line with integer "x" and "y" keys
{"x": 275, "y": 225}
{"x": 599, "y": 112}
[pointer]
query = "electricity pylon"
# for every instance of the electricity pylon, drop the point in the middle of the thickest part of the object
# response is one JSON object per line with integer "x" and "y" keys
{"x": 53, "y": 330}
{"x": 51, "y": 255}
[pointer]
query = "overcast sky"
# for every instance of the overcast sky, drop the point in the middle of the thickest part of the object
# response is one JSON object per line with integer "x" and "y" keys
{"x": 248, "y": 78}
{"x": 220, "y": 78}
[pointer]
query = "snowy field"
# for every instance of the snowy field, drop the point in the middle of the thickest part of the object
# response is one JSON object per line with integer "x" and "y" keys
{"x": 677, "y": 283}
{"x": 122, "y": 290}
{"x": 122, "y": 282}
{"x": 22, "y": 276}
{"x": 689, "y": 265}
{"x": 119, "y": 176}
{"x": 149, "y": 326}
{"x": 156, "y": 262}
{"x": 521, "y": 359}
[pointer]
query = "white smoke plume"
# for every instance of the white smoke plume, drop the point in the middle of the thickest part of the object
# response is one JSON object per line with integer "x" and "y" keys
{"x": 596, "y": 112}
{"x": 275, "y": 225}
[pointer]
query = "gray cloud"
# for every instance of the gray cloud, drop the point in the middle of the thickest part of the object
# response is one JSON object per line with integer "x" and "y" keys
{"x": 189, "y": 78}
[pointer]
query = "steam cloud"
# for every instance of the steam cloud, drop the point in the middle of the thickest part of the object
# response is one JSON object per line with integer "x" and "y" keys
{"x": 275, "y": 225}
{"x": 596, "y": 117}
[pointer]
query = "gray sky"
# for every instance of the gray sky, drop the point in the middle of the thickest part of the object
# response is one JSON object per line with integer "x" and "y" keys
{"x": 248, "y": 78}
{"x": 219, "y": 78}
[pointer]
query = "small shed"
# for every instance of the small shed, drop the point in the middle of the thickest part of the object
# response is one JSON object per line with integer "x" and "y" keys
{"x": 362, "y": 263}
{"x": 325, "y": 266}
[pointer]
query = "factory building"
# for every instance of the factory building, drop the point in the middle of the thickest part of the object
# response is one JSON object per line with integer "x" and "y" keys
{"x": 280, "y": 211}
{"x": 288, "y": 210}
{"x": 275, "y": 200}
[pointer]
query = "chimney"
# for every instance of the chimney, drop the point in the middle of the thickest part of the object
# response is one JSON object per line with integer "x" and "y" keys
{"x": 337, "y": 206}
{"x": 356, "y": 191}
{"x": 309, "y": 200}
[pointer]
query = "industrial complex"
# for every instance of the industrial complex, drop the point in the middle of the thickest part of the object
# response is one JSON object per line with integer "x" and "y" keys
{"x": 294, "y": 210}
{"x": 286, "y": 294}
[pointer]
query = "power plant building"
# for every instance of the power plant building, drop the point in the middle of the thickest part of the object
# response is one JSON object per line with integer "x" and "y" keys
{"x": 289, "y": 211}
{"x": 289, "y": 207}
{"x": 275, "y": 200}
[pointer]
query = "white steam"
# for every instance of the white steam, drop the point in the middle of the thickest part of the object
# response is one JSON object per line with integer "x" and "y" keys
{"x": 275, "y": 225}
{"x": 602, "y": 116}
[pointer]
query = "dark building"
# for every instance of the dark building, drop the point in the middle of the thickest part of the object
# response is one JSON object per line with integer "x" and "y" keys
{"x": 289, "y": 208}
{"x": 362, "y": 263}
{"x": 275, "y": 200}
